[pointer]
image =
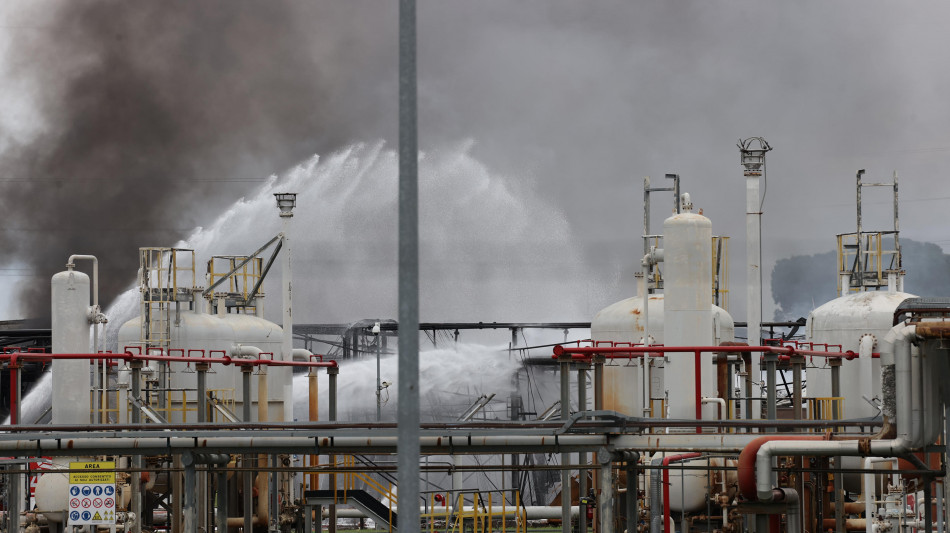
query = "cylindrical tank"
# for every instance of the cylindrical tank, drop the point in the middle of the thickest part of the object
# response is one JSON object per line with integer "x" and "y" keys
{"x": 844, "y": 321}
{"x": 52, "y": 491}
{"x": 687, "y": 281}
{"x": 623, "y": 322}
{"x": 70, "y": 334}
{"x": 200, "y": 331}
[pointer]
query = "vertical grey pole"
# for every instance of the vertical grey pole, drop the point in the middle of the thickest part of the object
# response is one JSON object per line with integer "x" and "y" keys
{"x": 191, "y": 480}
{"x": 606, "y": 500}
{"x": 858, "y": 263}
{"x": 565, "y": 457}
{"x": 15, "y": 380}
{"x": 202, "y": 368}
{"x": 247, "y": 458}
{"x": 274, "y": 494}
{"x": 582, "y": 456}
{"x": 408, "y": 437}
{"x": 798, "y": 361}
{"x": 332, "y": 373}
{"x": 770, "y": 360}
{"x": 222, "y": 517}
{"x": 136, "y": 367}
{"x": 13, "y": 498}
{"x": 631, "y": 499}
{"x": 379, "y": 405}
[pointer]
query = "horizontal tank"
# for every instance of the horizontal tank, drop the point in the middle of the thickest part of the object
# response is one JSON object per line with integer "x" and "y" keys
{"x": 209, "y": 333}
{"x": 623, "y": 322}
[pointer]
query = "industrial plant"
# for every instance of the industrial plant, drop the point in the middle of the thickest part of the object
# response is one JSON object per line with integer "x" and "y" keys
{"x": 202, "y": 415}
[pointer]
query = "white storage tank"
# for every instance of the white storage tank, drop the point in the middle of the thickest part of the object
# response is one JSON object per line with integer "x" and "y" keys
{"x": 70, "y": 334}
{"x": 216, "y": 336}
{"x": 687, "y": 282}
{"x": 623, "y": 322}
{"x": 846, "y": 321}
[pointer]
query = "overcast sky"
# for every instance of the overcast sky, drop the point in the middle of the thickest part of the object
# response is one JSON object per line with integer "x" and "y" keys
{"x": 154, "y": 116}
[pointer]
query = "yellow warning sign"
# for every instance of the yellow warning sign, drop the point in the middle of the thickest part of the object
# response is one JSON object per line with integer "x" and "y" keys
{"x": 96, "y": 516}
{"x": 95, "y": 472}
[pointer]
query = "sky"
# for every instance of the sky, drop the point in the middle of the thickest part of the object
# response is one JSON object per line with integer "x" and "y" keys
{"x": 129, "y": 124}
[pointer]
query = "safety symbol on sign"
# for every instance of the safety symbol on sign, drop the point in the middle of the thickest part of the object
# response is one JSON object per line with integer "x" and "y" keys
{"x": 97, "y": 502}
{"x": 110, "y": 490}
{"x": 109, "y": 502}
{"x": 74, "y": 515}
{"x": 86, "y": 515}
{"x": 97, "y": 516}
{"x": 74, "y": 502}
{"x": 97, "y": 490}
{"x": 86, "y": 502}
{"x": 74, "y": 491}
{"x": 86, "y": 490}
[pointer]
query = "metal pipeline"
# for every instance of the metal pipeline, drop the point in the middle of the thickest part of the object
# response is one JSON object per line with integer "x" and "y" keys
{"x": 896, "y": 347}
{"x": 656, "y": 510}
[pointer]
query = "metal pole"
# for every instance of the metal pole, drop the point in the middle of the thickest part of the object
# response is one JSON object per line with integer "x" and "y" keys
{"x": 13, "y": 498}
{"x": 191, "y": 480}
{"x": 797, "y": 361}
{"x": 408, "y": 419}
{"x": 582, "y": 456}
{"x": 770, "y": 360}
{"x": 222, "y": 498}
{"x": 606, "y": 500}
{"x": 247, "y": 458}
{"x": 858, "y": 266}
{"x": 332, "y": 373}
{"x": 379, "y": 405}
{"x": 136, "y": 367}
{"x": 565, "y": 458}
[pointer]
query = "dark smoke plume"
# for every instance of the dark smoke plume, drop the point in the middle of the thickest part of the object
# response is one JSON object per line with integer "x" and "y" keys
{"x": 158, "y": 114}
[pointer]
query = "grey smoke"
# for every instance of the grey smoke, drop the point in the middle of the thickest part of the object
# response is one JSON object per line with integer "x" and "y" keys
{"x": 158, "y": 114}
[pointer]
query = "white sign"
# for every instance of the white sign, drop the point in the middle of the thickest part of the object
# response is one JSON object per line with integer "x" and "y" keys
{"x": 92, "y": 493}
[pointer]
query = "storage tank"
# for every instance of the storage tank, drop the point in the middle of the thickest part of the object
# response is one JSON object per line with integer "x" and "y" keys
{"x": 195, "y": 330}
{"x": 846, "y": 321}
{"x": 70, "y": 334}
{"x": 687, "y": 281}
{"x": 623, "y": 322}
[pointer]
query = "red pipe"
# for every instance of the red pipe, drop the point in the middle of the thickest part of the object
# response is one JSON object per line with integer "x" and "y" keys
{"x": 746, "y": 470}
{"x": 698, "y": 385}
{"x": 666, "y": 484}
{"x": 583, "y": 352}
{"x": 129, "y": 356}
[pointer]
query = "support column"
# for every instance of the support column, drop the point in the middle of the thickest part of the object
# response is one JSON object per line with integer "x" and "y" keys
{"x": 247, "y": 458}
{"x": 582, "y": 456}
{"x": 190, "y": 497}
{"x": 136, "y": 367}
{"x": 565, "y": 457}
{"x": 798, "y": 362}
{"x": 771, "y": 360}
{"x": 607, "y": 493}
{"x": 332, "y": 372}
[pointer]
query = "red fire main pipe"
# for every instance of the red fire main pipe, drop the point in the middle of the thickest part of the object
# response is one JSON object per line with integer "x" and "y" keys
{"x": 698, "y": 387}
{"x": 746, "y": 470}
{"x": 666, "y": 484}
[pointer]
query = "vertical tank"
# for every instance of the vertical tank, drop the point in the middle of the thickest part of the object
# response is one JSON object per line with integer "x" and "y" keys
{"x": 845, "y": 321}
{"x": 70, "y": 334}
{"x": 688, "y": 317}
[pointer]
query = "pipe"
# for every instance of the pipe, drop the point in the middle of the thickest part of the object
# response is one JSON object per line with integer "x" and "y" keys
{"x": 666, "y": 484}
{"x": 896, "y": 346}
{"x": 746, "y": 471}
{"x": 870, "y": 493}
{"x": 793, "y": 521}
{"x": 720, "y": 401}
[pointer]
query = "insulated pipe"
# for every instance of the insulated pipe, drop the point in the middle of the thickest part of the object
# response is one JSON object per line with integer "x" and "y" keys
{"x": 793, "y": 522}
{"x": 719, "y": 401}
{"x": 896, "y": 347}
{"x": 565, "y": 473}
